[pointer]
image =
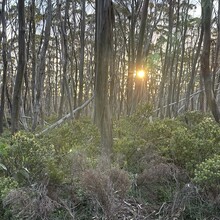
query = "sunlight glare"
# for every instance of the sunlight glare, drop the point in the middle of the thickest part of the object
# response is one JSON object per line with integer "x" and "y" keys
{"x": 141, "y": 73}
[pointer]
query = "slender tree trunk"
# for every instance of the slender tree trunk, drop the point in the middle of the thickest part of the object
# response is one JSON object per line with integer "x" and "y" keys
{"x": 166, "y": 64}
{"x": 64, "y": 47}
{"x": 104, "y": 35}
{"x": 33, "y": 51}
{"x": 205, "y": 58}
{"x": 139, "y": 60}
{"x": 56, "y": 77}
{"x": 21, "y": 68}
{"x": 193, "y": 72}
{"x": 40, "y": 73}
{"x": 184, "y": 29}
{"x": 131, "y": 60}
{"x": 5, "y": 65}
{"x": 175, "y": 58}
{"x": 82, "y": 52}
{"x": 217, "y": 54}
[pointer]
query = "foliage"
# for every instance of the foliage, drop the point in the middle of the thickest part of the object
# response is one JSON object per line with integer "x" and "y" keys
{"x": 25, "y": 158}
{"x": 157, "y": 183}
{"x": 6, "y": 185}
{"x": 185, "y": 144}
{"x": 208, "y": 172}
{"x": 76, "y": 147}
{"x": 161, "y": 132}
{"x": 130, "y": 144}
{"x": 175, "y": 160}
{"x": 188, "y": 203}
{"x": 193, "y": 118}
{"x": 191, "y": 146}
{"x": 79, "y": 135}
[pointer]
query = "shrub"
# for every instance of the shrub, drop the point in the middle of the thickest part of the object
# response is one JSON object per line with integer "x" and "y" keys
{"x": 77, "y": 136}
{"x": 128, "y": 146}
{"x": 25, "y": 158}
{"x": 30, "y": 203}
{"x": 160, "y": 132}
{"x": 184, "y": 145}
{"x": 193, "y": 118}
{"x": 157, "y": 183}
{"x": 6, "y": 185}
{"x": 105, "y": 188}
{"x": 208, "y": 172}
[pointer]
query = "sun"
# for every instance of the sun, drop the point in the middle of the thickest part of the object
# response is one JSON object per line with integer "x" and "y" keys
{"x": 140, "y": 73}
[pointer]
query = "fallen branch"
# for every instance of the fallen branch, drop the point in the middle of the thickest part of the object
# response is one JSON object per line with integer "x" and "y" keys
{"x": 60, "y": 121}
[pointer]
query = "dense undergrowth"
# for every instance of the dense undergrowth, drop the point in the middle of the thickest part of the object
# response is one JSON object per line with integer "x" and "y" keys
{"x": 165, "y": 169}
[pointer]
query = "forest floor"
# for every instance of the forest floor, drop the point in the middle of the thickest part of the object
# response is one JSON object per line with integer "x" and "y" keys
{"x": 165, "y": 169}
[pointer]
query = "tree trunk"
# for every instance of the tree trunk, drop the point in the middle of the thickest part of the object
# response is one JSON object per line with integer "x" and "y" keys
{"x": 131, "y": 60}
{"x": 184, "y": 30}
{"x": 104, "y": 30}
{"x": 205, "y": 58}
{"x": 217, "y": 54}
{"x": 33, "y": 51}
{"x": 139, "y": 61}
{"x": 40, "y": 73}
{"x": 193, "y": 71}
{"x": 166, "y": 64}
{"x": 64, "y": 53}
{"x": 82, "y": 52}
{"x": 21, "y": 68}
{"x": 5, "y": 65}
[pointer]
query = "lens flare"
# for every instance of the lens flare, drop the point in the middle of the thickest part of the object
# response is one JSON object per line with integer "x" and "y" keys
{"x": 140, "y": 73}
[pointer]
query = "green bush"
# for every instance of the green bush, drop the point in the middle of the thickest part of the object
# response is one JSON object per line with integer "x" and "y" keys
{"x": 208, "y": 172}
{"x": 25, "y": 158}
{"x": 186, "y": 141}
{"x": 160, "y": 132}
{"x": 193, "y": 118}
{"x": 6, "y": 185}
{"x": 79, "y": 135}
{"x": 185, "y": 145}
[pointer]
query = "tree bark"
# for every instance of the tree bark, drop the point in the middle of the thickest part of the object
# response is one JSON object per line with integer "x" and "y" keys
{"x": 64, "y": 52}
{"x": 21, "y": 67}
{"x": 139, "y": 60}
{"x": 40, "y": 73}
{"x": 33, "y": 51}
{"x": 193, "y": 71}
{"x": 5, "y": 65}
{"x": 104, "y": 30}
{"x": 205, "y": 58}
{"x": 82, "y": 52}
{"x": 167, "y": 61}
{"x": 131, "y": 60}
{"x": 184, "y": 30}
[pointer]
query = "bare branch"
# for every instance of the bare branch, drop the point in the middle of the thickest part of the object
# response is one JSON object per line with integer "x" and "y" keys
{"x": 60, "y": 121}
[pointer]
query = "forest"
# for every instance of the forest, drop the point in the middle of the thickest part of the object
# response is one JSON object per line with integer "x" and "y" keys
{"x": 109, "y": 109}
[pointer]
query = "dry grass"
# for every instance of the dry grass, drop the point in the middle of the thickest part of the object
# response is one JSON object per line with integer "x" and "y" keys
{"x": 120, "y": 181}
{"x": 106, "y": 189}
{"x": 159, "y": 173}
{"x": 30, "y": 203}
{"x": 159, "y": 182}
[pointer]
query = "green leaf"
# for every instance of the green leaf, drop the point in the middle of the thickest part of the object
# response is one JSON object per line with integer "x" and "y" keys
{"x": 3, "y": 167}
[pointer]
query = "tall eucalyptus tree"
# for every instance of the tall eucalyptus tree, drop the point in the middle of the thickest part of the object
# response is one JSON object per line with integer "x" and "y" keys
{"x": 20, "y": 69}
{"x": 207, "y": 7}
{"x": 5, "y": 64}
{"x": 104, "y": 35}
{"x": 40, "y": 72}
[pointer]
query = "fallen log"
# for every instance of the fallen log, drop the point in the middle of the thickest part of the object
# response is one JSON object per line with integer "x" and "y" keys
{"x": 63, "y": 119}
